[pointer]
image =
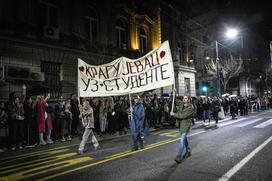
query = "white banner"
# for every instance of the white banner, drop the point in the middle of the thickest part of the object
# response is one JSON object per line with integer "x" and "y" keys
{"x": 123, "y": 75}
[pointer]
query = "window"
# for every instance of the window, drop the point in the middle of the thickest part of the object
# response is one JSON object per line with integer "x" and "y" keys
{"x": 143, "y": 41}
{"x": 180, "y": 54}
{"x": 187, "y": 86}
{"x": 121, "y": 34}
{"x": 52, "y": 77}
{"x": 49, "y": 13}
{"x": 91, "y": 24}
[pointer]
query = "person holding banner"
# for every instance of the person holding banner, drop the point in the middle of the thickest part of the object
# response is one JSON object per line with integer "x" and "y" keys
{"x": 87, "y": 118}
{"x": 184, "y": 115}
{"x": 137, "y": 123}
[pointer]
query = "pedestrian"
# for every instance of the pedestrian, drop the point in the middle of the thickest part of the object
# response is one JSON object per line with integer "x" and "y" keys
{"x": 137, "y": 123}
{"x": 30, "y": 123}
{"x": 103, "y": 116}
{"x": 215, "y": 108}
{"x": 42, "y": 117}
{"x": 184, "y": 115}
{"x": 87, "y": 118}
{"x": 75, "y": 113}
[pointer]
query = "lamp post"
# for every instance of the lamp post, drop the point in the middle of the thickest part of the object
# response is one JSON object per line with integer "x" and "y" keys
{"x": 231, "y": 33}
{"x": 217, "y": 70}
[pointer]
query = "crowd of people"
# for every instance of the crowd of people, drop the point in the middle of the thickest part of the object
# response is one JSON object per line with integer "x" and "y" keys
{"x": 27, "y": 121}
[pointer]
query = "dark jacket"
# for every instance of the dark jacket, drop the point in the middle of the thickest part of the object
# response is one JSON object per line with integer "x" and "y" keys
{"x": 184, "y": 115}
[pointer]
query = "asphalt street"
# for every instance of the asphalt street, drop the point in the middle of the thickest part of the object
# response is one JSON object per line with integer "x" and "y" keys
{"x": 237, "y": 149}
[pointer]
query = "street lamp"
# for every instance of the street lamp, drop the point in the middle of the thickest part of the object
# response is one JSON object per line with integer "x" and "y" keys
{"x": 232, "y": 33}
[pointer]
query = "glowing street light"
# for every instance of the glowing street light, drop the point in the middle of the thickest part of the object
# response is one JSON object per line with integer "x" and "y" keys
{"x": 232, "y": 33}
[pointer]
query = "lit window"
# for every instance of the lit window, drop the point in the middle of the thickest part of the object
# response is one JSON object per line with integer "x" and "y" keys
{"x": 143, "y": 41}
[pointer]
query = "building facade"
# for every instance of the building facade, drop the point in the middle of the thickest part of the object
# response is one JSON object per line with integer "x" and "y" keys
{"x": 41, "y": 40}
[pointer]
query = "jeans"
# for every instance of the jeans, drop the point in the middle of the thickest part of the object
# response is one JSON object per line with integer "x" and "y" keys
{"x": 183, "y": 144}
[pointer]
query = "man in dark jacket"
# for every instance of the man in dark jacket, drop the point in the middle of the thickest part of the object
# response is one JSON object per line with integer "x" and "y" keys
{"x": 137, "y": 123}
{"x": 184, "y": 115}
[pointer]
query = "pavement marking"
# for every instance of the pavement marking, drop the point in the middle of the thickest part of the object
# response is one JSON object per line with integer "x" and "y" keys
{"x": 159, "y": 132}
{"x": 34, "y": 163}
{"x": 239, "y": 165}
{"x": 248, "y": 122}
{"x": 163, "y": 134}
{"x": 264, "y": 124}
{"x": 116, "y": 157}
{"x": 45, "y": 152}
{"x": 231, "y": 122}
{"x": 44, "y": 169}
{"x": 68, "y": 146}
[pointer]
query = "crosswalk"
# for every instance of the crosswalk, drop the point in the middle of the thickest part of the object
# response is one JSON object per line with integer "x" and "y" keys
{"x": 255, "y": 121}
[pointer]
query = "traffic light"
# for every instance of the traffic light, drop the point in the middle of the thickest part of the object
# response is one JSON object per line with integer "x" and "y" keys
{"x": 205, "y": 87}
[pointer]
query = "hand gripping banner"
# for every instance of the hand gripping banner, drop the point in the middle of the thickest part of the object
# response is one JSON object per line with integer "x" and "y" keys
{"x": 127, "y": 76}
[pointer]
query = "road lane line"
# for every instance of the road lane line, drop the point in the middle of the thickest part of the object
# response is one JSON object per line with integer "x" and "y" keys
{"x": 68, "y": 146}
{"x": 37, "y": 163}
{"x": 232, "y": 122}
{"x": 248, "y": 122}
{"x": 238, "y": 166}
{"x": 114, "y": 158}
{"x": 46, "y": 153}
{"x": 264, "y": 124}
{"x": 44, "y": 169}
{"x": 171, "y": 132}
{"x": 125, "y": 152}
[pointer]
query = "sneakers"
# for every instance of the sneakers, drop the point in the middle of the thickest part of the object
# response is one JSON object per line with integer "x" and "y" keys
{"x": 80, "y": 152}
{"x": 1, "y": 151}
{"x": 42, "y": 142}
{"x": 49, "y": 141}
{"x": 20, "y": 147}
{"x": 187, "y": 154}
{"x": 69, "y": 138}
{"x": 178, "y": 159}
{"x": 13, "y": 148}
{"x": 63, "y": 139}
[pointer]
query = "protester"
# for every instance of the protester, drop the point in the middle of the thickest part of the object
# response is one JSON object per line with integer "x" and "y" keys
{"x": 103, "y": 116}
{"x": 42, "y": 117}
{"x": 137, "y": 123}
{"x": 184, "y": 115}
{"x": 215, "y": 108}
{"x": 87, "y": 118}
{"x": 3, "y": 128}
{"x": 30, "y": 123}
{"x": 75, "y": 113}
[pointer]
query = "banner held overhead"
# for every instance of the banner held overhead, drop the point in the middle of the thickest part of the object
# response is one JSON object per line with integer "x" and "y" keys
{"x": 127, "y": 76}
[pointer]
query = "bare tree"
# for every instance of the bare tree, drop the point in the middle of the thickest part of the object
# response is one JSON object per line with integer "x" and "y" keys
{"x": 227, "y": 69}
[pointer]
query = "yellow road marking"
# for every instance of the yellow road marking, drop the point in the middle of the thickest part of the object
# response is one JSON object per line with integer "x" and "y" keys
{"x": 42, "y": 161}
{"x": 44, "y": 169}
{"x": 45, "y": 152}
{"x": 107, "y": 160}
{"x": 125, "y": 152}
{"x": 159, "y": 132}
{"x": 172, "y": 135}
{"x": 168, "y": 133}
{"x": 116, "y": 157}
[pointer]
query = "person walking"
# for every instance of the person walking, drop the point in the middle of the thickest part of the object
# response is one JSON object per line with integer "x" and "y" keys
{"x": 184, "y": 115}
{"x": 87, "y": 118}
{"x": 215, "y": 108}
{"x": 137, "y": 123}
